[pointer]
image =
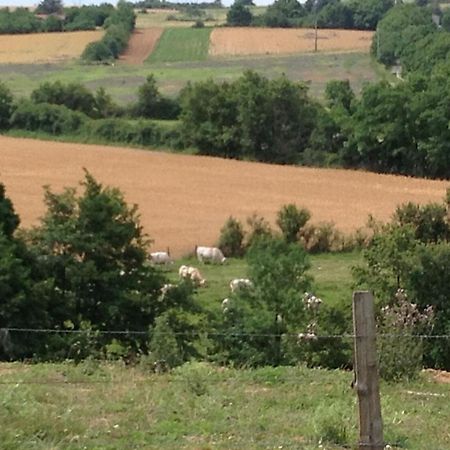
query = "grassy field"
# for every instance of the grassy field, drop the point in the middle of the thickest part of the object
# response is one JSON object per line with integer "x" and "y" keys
{"x": 331, "y": 273}
{"x": 181, "y": 44}
{"x": 199, "y": 406}
{"x": 122, "y": 81}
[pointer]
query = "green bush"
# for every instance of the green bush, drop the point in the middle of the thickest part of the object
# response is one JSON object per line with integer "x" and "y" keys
{"x": 120, "y": 130}
{"x": 400, "y": 349}
{"x": 322, "y": 237}
{"x": 53, "y": 119}
{"x": 72, "y": 95}
{"x": 429, "y": 221}
{"x": 163, "y": 346}
{"x": 97, "y": 51}
{"x": 6, "y": 105}
{"x": 231, "y": 240}
{"x": 291, "y": 220}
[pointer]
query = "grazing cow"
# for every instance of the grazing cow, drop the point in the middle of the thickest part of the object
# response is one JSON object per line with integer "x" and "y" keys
{"x": 161, "y": 257}
{"x": 193, "y": 274}
{"x": 210, "y": 255}
{"x": 239, "y": 284}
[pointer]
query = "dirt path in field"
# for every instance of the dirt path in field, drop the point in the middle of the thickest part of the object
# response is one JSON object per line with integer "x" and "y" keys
{"x": 140, "y": 45}
{"x": 257, "y": 41}
{"x": 45, "y": 47}
{"x": 184, "y": 200}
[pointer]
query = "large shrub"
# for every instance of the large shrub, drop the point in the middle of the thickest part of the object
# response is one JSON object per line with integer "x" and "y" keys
{"x": 72, "y": 95}
{"x": 6, "y": 102}
{"x": 231, "y": 239}
{"x": 53, "y": 119}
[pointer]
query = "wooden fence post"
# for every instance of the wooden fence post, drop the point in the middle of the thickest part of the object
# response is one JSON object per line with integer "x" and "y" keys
{"x": 366, "y": 373}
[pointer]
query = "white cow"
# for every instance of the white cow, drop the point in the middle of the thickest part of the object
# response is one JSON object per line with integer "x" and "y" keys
{"x": 210, "y": 254}
{"x": 239, "y": 284}
{"x": 161, "y": 257}
{"x": 193, "y": 274}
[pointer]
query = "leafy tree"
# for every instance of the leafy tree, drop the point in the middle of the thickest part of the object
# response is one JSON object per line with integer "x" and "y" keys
{"x": 23, "y": 295}
{"x": 339, "y": 94}
{"x": 53, "y": 24}
{"x": 335, "y": 15}
{"x": 50, "y": 7}
{"x": 367, "y": 13}
{"x": 256, "y": 319}
{"x": 149, "y": 98}
{"x": 9, "y": 220}
{"x": 284, "y": 13}
{"x": 239, "y": 15}
{"x": 429, "y": 221}
{"x": 275, "y": 117}
{"x": 401, "y": 27}
{"x": 383, "y": 131}
{"x": 209, "y": 113}
{"x": 388, "y": 261}
{"x": 291, "y": 220}
{"x": 93, "y": 249}
{"x": 6, "y": 101}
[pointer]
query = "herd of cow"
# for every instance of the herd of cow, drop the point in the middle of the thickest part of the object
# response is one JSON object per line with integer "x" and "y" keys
{"x": 212, "y": 255}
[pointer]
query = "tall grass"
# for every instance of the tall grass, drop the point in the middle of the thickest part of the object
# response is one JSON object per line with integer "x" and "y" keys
{"x": 199, "y": 406}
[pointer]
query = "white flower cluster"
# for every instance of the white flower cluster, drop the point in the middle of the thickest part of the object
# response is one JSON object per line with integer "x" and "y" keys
{"x": 311, "y": 302}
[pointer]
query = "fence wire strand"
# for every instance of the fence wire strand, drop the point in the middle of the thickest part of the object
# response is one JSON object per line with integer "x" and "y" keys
{"x": 217, "y": 334}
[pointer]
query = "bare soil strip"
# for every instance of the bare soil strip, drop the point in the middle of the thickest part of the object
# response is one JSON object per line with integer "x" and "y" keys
{"x": 257, "y": 41}
{"x": 184, "y": 200}
{"x": 45, "y": 47}
{"x": 141, "y": 45}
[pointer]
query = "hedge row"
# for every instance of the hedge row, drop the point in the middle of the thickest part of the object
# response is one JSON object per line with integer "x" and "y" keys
{"x": 119, "y": 26}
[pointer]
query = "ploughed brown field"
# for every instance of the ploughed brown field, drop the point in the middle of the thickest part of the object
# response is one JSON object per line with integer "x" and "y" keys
{"x": 45, "y": 47}
{"x": 184, "y": 200}
{"x": 257, "y": 41}
{"x": 141, "y": 44}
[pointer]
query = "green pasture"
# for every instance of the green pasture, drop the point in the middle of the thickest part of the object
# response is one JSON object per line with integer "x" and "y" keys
{"x": 96, "y": 405}
{"x": 122, "y": 81}
{"x": 181, "y": 44}
{"x": 331, "y": 273}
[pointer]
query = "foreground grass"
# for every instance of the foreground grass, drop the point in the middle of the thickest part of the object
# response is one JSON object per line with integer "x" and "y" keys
{"x": 198, "y": 406}
{"x": 182, "y": 44}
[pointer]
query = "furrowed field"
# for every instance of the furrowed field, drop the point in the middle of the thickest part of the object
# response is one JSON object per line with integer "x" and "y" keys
{"x": 184, "y": 200}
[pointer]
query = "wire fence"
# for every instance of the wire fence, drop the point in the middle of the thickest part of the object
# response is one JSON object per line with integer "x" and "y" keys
{"x": 216, "y": 334}
{"x": 74, "y": 381}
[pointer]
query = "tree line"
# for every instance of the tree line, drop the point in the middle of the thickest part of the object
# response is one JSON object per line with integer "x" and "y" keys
{"x": 55, "y": 19}
{"x": 355, "y": 14}
{"x": 390, "y": 128}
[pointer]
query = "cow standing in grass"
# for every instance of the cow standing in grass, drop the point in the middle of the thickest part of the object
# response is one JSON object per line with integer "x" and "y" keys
{"x": 211, "y": 255}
